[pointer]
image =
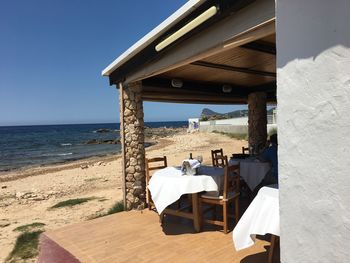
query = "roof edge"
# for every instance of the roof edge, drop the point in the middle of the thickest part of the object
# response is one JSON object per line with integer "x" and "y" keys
{"x": 152, "y": 35}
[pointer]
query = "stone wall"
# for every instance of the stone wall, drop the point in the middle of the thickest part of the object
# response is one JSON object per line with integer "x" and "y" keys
{"x": 134, "y": 150}
{"x": 257, "y": 119}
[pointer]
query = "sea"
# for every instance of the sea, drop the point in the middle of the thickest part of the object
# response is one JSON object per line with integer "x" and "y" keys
{"x": 39, "y": 145}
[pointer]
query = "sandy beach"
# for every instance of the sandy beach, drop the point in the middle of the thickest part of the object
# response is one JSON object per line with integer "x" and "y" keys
{"x": 26, "y": 196}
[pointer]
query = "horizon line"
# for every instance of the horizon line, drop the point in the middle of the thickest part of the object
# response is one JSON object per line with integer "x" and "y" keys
{"x": 53, "y": 124}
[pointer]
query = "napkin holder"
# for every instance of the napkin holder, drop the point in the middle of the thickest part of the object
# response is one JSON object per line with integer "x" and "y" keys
{"x": 187, "y": 169}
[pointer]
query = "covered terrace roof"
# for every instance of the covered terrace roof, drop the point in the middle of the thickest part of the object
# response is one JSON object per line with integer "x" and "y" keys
{"x": 221, "y": 60}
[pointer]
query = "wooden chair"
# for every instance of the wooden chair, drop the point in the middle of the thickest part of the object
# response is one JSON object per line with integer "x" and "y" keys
{"x": 215, "y": 157}
{"x": 220, "y": 161}
{"x": 245, "y": 150}
{"x": 160, "y": 163}
{"x": 229, "y": 194}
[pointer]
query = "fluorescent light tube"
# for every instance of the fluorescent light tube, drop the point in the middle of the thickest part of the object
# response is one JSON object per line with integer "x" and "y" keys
{"x": 187, "y": 28}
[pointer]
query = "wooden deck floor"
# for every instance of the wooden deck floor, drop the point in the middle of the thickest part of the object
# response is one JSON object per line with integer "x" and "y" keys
{"x": 139, "y": 237}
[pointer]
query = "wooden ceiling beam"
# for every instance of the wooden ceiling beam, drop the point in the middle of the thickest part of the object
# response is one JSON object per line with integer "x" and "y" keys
{"x": 192, "y": 99}
{"x": 260, "y": 46}
{"x": 163, "y": 85}
{"x": 235, "y": 69}
{"x": 161, "y": 90}
{"x": 191, "y": 86}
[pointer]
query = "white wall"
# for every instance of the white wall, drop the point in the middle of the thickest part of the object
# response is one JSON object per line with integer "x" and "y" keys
{"x": 233, "y": 121}
{"x": 234, "y": 129}
{"x": 313, "y": 93}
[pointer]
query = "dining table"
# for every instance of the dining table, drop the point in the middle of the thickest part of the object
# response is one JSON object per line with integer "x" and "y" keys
{"x": 260, "y": 218}
{"x": 252, "y": 170}
{"x": 169, "y": 184}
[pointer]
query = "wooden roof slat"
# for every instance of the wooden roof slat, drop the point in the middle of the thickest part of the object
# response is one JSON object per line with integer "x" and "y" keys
{"x": 261, "y": 47}
{"x": 241, "y": 57}
{"x": 235, "y": 69}
{"x": 211, "y": 75}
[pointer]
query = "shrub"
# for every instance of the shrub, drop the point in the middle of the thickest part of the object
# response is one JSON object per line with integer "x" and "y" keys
{"x": 26, "y": 228}
{"x": 238, "y": 136}
{"x": 26, "y": 246}
{"x": 73, "y": 202}
{"x": 116, "y": 208}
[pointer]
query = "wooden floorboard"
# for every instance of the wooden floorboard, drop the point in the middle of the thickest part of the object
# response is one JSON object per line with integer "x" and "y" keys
{"x": 139, "y": 237}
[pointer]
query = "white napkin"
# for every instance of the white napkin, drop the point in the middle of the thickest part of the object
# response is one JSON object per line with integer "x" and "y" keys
{"x": 193, "y": 163}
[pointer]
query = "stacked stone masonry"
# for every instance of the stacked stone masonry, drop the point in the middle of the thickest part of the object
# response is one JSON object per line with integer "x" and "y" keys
{"x": 135, "y": 184}
{"x": 257, "y": 119}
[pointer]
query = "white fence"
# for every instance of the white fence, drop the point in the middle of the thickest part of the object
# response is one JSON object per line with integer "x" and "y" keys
{"x": 234, "y": 125}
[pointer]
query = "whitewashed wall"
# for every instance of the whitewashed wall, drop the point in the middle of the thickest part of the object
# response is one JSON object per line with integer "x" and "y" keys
{"x": 233, "y": 121}
{"x": 313, "y": 93}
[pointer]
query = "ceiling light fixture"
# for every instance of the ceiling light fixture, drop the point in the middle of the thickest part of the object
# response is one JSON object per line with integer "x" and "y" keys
{"x": 226, "y": 88}
{"x": 187, "y": 28}
{"x": 177, "y": 83}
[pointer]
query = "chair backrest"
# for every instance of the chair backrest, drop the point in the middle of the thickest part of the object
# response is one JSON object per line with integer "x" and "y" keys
{"x": 159, "y": 163}
{"x": 231, "y": 180}
{"x": 245, "y": 150}
{"x": 214, "y": 155}
{"x": 220, "y": 161}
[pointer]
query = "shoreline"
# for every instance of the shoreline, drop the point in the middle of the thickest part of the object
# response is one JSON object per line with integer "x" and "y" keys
{"x": 154, "y": 137}
{"x": 28, "y": 171}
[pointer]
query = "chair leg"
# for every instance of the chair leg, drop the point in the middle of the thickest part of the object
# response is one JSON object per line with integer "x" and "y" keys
{"x": 214, "y": 212}
{"x": 224, "y": 207}
{"x": 236, "y": 210}
{"x": 161, "y": 218}
{"x": 189, "y": 196}
{"x": 200, "y": 208}
{"x": 148, "y": 198}
{"x": 271, "y": 250}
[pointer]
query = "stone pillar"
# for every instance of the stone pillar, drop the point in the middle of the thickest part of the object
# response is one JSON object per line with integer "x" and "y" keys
{"x": 133, "y": 150}
{"x": 257, "y": 119}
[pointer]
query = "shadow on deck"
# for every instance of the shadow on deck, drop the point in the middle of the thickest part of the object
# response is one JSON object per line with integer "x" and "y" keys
{"x": 139, "y": 237}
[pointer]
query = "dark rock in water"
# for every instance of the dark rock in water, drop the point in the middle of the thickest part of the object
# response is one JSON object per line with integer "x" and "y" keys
{"x": 94, "y": 141}
{"x": 103, "y": 130}
{"x": 154, "y": 133}
{"x": 110, "y": 141}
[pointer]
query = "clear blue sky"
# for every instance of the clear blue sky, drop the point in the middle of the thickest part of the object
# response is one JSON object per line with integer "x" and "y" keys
{"x": 52, "y": 54}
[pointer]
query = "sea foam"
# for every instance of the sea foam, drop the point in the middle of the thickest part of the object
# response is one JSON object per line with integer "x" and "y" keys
{"x": 64, "y": 154}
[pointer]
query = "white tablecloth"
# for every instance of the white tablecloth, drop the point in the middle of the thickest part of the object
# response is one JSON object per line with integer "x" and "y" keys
{"x": 261, "y": 217}
{"x": 168, "y": 184}
{"x": 252, "y": 171}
